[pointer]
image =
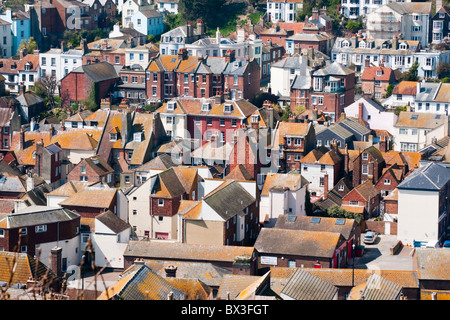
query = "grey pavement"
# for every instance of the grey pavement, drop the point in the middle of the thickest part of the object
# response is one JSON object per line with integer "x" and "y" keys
{"x": 378, "y": 256}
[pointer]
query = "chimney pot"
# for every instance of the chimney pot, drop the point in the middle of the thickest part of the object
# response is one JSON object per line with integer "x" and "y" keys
{"x": 171, "y": 271}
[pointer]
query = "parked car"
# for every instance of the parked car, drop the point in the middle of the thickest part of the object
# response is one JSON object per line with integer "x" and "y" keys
{"x": 446, "y": 244}
{"x": 432, "y": 244}
{"x": 370, "y": 237}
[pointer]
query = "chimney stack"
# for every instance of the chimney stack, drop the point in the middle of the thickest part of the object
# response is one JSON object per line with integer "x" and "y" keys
{"x": 171, "y": 271}
{"x": 200, "y": 28}
{"x": 230, "y": 55}
{"x": 360, "y": 110}
{"x": 56, "y": 261}
{"x": 182, "y": 54}
{"x": 346, "y": 159}
{"x": 22, "y": 139}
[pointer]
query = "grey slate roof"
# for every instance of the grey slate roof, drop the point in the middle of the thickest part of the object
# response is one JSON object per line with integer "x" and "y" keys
{"x": 37, "y": 215}
{"x": 334, "y": 68}
{"x": 340, "y": 131}
{"x": 430, "y": 177}
{"x": 98, "y": 72}
{"x": 427, "y": 91}
{"x": 301, "y": 82}
{"x": 229, "y": 200}
{"x": 304, "y": 286}
{"x": 354, "y": 125}
{"x": 113, "y": 222}
{"x": 237, "y": 67}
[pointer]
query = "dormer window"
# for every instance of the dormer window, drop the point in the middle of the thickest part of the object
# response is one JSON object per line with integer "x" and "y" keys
{"x": 362, "y": 44}
{"x": 345, "y": 44}
{"x": 137, "y": 136}
{"x": 205, "y": 106}
{"x": 255, "y": 118}
{"x": 379, "y": 73}
{"x": 170, "y": 106}
{"x": 403, "y": 46}
{"x": 113, "y": 137}
{"x": 227, "y": 108}
{"x": 27, "y": 66}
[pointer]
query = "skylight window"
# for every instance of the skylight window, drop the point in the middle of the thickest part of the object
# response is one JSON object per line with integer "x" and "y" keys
{"x": 414, "y": 117}
{"x": 291, "y": 218}
{"x": 340, "y": 222}
{"x": 315, "y": 220}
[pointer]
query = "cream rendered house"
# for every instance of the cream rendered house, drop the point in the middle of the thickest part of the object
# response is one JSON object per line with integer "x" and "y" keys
{"x": 423, "y": 204}
{"x": 110, "y": 239}
{"x": 174, "y": 120}
{"x": 415, "y": 130}
{"x": 282, "y": 194}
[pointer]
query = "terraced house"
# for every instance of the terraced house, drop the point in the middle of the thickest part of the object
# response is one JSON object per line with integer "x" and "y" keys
{"x": 171, "y": 76}
{"x": 200, "y": 119}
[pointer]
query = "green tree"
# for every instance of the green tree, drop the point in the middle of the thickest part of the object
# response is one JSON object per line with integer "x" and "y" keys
{"x": 443, "y": 70}
{"x": 337, "y": 212}
{"x": 354, "y": 26}
{"x": 207, "y": 10}
{"x": 93, "y": 99}
{"x": 389, "y": 90}
{"x": 30, "y": 45}
{"x": 411, "y": 74}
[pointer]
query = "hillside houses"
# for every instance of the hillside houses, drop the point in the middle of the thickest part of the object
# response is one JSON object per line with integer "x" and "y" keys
{"x": 149, "y": 153}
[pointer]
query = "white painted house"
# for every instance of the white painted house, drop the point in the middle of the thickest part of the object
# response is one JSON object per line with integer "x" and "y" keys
{"x": 110, "y": 239}
{"x": 372, "y": 113}
{"x": 423, "y": 204}
{"x": 415, "y": 130}
{"x": 59, "y": 62}
{"x": 283, "y": 11}
{"x": 148, "y": 22}
{"x": 169, "y": 6}
{"x": 320, "y": 167}
{"x": 282, "y": 194}
{"x": 410, "y": 19}
{"x": 6, "y": 39}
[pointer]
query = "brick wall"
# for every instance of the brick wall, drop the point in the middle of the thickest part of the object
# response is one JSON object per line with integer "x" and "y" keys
{"x": 379, "y": 226}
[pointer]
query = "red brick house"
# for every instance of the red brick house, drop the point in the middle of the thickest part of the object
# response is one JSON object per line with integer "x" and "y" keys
{"x": 242, "y": 79}
{"x": 363, "y": 199}
{"x": 368, "y": 165}
{"x": 389, "y": 205}
{"x": 389, "y": 180}
{"x": 76, "y": 86}
{"x": 102, "y": 11}
{"x": 276, "y": 35}
{"x": 92, "y": 169}
{"x": 74, "y": 15}
{"x": 105, "y": 50}
{"x": 170, "y": 76}
{"x": 313, "y": 249}
{"x": 27, "y": 230}
{"x": 293, "y": 141}
{"x": 132, "y": 86}
{"x": 48, "y": 162}
{"x": 169, "y": 189}
{"x": 375, "y": 80}
{"x": 332, "y": 89}
{"x": 270, "y": 53}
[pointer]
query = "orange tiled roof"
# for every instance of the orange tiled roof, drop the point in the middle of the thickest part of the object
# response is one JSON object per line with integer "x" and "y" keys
{"x": 406, "y": 88}
{"x": 371, "y": 74}
{"x": 96, "y": 198}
